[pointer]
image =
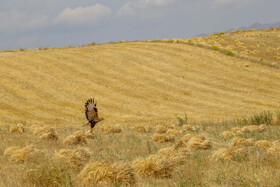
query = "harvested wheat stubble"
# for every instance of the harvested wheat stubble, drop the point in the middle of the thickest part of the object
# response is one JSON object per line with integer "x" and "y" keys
{"x": 19, "y": 128}
{"x": 142, "y": 128}
{"x": 20, "y": 155}
{"x": 125, "y": 173}
{"x": 75, "y": 158}
{"x": 230, "y": 154}
{"x": 78, "y": 138}
{"x": 160, "y": 129}
{"x": 163, "y": 138}
{"x": 196, "y": 141}
{"x": 154, "y": 166}
{"x": 263, "y": 144}
{"x": 239, "y": 141}
{"x": 227, "y": 134}
{"x": 106, "y": 129}
{"x": 97, "y": 172}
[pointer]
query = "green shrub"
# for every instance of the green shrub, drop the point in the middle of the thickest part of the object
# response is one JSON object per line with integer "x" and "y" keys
{"x": 262, "y": 117}
{"x": 216, "y": 48}
{"x": 230, "y": 53}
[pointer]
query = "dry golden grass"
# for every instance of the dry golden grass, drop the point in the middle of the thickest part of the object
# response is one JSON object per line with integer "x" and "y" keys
{"x": 138, "y": 87}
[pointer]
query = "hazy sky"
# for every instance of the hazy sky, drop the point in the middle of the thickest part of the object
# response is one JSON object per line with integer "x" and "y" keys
{"x": 56, "y": 23}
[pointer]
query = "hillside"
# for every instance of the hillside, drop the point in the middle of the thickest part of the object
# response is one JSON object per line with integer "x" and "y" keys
{"x": 260, "y": 46}
{"x": 135, "y": 83}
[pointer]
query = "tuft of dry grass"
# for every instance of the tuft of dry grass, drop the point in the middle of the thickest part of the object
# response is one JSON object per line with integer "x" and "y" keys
{"x": 254, "y": 128}
{"x": 263, "y": 144}
{"x": 142, "y": 128}
{"x": 19, "y": 128}
{"x": 97, "y": 172}
{"x": 160, "y": 129}
{"x": 236, "y": 154}
{"x": 154, "y": 166}
{"x": 163, "y": 138}
{"x": 106, "y": 129}
{"x": 174, "y": 132}
{"x": 196, "y": 141}
{"x": 239, "y": 142}
{"x": 227, "y": 134}
{"x": 274, "y": 150}
{"x": 78, "y": 138}
{"x": 89, "y": 134}
{"x": 20, "y": 155}
{"x": 74, "y": 158}
{"x": 44, "y": 132}
{"x": 188, "y": 128}
{"x": 124, "y": 173}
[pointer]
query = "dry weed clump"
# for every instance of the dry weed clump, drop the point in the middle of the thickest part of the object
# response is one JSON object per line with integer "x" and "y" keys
{"x": 155, "y": 166}
{"x": 78, "y": 138}
{"x": 239, "y": 141}
{"x": 106, "y": 129}
{"x": 97, "y": 172}
{"x": 19, "y": 128}
{"x": 163, "y": 138}
{"x": 20, "y": 155}
{"x": 160, "y": 129}
{"x": 227, "y": 134}
{"x": 196, "y": 141}
{"x": 125, "y": 173}
{"x": 230, "y": 154}
{"x": 142, "y": 128}
{"x": 188, "y": 128}
{"x": 75, "y": 158}
{"x": 263, "y": 144}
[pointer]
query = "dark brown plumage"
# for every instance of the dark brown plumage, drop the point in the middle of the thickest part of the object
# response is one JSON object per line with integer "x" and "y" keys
{"x": 92, "y": 113}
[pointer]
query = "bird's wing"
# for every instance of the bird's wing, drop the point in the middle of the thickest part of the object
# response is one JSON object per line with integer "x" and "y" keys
{"x": 91, "y": 110}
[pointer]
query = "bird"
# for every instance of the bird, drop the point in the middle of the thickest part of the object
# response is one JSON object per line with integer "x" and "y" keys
{"x": 91, "y": 113}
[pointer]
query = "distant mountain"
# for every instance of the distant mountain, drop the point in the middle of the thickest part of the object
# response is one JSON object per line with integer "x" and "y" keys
{"x": 257, "y": 26}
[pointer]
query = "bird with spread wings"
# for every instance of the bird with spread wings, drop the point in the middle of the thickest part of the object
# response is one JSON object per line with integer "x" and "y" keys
{"x": 91, "y": 113}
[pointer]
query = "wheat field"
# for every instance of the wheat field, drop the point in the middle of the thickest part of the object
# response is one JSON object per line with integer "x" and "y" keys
{"x": 138, "y": 86}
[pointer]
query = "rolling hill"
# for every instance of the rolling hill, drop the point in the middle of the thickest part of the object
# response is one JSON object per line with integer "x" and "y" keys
{"x": 134, "y": 83}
